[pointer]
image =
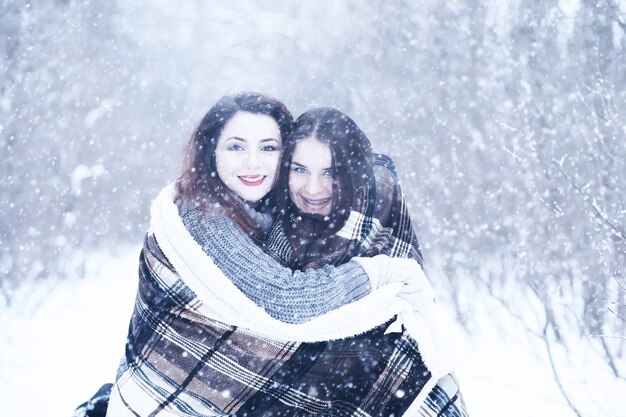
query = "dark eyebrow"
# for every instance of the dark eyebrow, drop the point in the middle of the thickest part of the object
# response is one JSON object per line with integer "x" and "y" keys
{"x": 304, "y": 166}
{"x": 244, "y": 140}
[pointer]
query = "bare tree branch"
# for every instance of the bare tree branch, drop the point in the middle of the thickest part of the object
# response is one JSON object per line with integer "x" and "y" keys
{"x": 602, "y": 216}
{"x": 507, "y": 307}
{"x": 614, "y": 8}
{"x": 618, "y": 282}
{"x": 606, "y": 336}
{"x": 6, "y": 292}
{"x": 554, "y": 371}
{"x": 617, "y": 315}
{"x": 609, "y": 358}
{"x": 617, "y": 230}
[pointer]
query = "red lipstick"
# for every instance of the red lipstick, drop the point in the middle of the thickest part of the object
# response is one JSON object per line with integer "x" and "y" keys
{"x": 252, "y": 180}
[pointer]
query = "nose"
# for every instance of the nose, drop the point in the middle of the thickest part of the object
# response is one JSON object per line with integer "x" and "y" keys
{"x": 314, "y": 185}
{"x": 252, "y": 159}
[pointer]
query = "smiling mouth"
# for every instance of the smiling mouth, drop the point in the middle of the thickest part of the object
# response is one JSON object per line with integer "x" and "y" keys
{"x": 252, "y": 180}
{"x": 316, "y": 204}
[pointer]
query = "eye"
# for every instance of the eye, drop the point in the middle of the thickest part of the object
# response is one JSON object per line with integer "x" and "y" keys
{"x": 328, "y": 173}
{"x": 299, "y": 170}
{"x": 270, "y": 148}
{"x": 235, "y": 147}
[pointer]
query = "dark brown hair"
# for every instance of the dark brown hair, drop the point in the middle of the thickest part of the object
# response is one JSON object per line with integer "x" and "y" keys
{"x": 310, "y": 234}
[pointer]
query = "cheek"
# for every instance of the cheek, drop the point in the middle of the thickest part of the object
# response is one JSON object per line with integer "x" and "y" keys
{"x": 223, "y": 164}
{"x": 228, "y": 166}
{"x": 293, "y": 184}
{"x": 219, "y": 162}
{"x": 273, "y": 161}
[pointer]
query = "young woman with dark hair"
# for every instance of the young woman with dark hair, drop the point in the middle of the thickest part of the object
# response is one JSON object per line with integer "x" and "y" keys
{"x": 338, "y": 200}
{"x": 326, "y": 174}
{"x": 212, "y": 318}
{"x": 201, "y": 182}
{"x": 351, "y": 170}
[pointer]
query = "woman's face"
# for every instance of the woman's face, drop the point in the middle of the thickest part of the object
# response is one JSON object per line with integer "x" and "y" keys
{"x": 311, "y": 177}
{"x": 247, "y": 155}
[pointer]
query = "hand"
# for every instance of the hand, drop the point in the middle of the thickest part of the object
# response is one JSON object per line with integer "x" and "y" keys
{"x": 416, "y": 288}
{"x": 404, "y": 270}
{"x": 418, "y": 292}
{"x": 381, "y": 270}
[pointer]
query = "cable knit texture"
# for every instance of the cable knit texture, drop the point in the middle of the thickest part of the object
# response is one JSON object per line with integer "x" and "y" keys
{"x": 290, "y": 296}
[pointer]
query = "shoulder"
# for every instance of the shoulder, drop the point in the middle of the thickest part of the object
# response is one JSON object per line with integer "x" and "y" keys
{"x": 385, "y": 175}
{"x": 384, "y": 169}
{"x": 206, "y": 209}
{"x": 203, "y": 222}
{"x": 383, "y": 161}
{"x": 198, "y": 219}
{"x": 217, "y": 235}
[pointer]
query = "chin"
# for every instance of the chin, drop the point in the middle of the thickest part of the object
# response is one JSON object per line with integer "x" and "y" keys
{"x": 253, "y": 198}
{"x": 307, "y": 210}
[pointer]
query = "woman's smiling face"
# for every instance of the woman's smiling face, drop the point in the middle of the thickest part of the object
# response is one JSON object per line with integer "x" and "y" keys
{"x": 311, "y": 177}
{"x": 247, "y": 155}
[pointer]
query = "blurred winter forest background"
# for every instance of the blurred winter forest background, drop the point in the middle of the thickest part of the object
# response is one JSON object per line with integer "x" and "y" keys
{"x": 506, "y": 119}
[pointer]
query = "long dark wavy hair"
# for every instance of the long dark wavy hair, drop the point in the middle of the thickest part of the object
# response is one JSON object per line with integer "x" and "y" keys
{"x": 199, "y": 181}
{"x": 310, "y": 234}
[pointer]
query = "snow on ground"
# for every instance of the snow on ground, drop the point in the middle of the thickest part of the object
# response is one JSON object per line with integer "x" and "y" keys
{"x": 61, "y": 341}
{"x": 509, "y": 373}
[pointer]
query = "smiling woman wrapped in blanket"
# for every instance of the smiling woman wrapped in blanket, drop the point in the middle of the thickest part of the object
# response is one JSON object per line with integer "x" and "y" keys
{"x": 336, "y": 205}
{"x": 215, "y": 327}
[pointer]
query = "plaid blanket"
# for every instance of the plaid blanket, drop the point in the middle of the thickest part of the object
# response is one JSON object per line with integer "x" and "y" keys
{"x": 198, "y": 347}
{"x": 379, "y": 224}
{"x": 382, "y": 224}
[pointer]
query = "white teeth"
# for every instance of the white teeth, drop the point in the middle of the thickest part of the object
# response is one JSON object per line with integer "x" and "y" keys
{"x": 316, "y": 202}
{"x": 248, "y": 179}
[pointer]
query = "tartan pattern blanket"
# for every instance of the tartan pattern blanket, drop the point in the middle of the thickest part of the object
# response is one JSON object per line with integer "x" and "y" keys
{"x": 379, "y": 224}
{"x": 382, "y": 224}
{"x": 198, "y": 347}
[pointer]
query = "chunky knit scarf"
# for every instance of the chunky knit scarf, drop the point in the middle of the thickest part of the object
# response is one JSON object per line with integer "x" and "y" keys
{"x": 197, "y": 346}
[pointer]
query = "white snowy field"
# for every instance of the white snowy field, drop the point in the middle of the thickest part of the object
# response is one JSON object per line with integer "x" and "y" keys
{"x": 60, "y": 341}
